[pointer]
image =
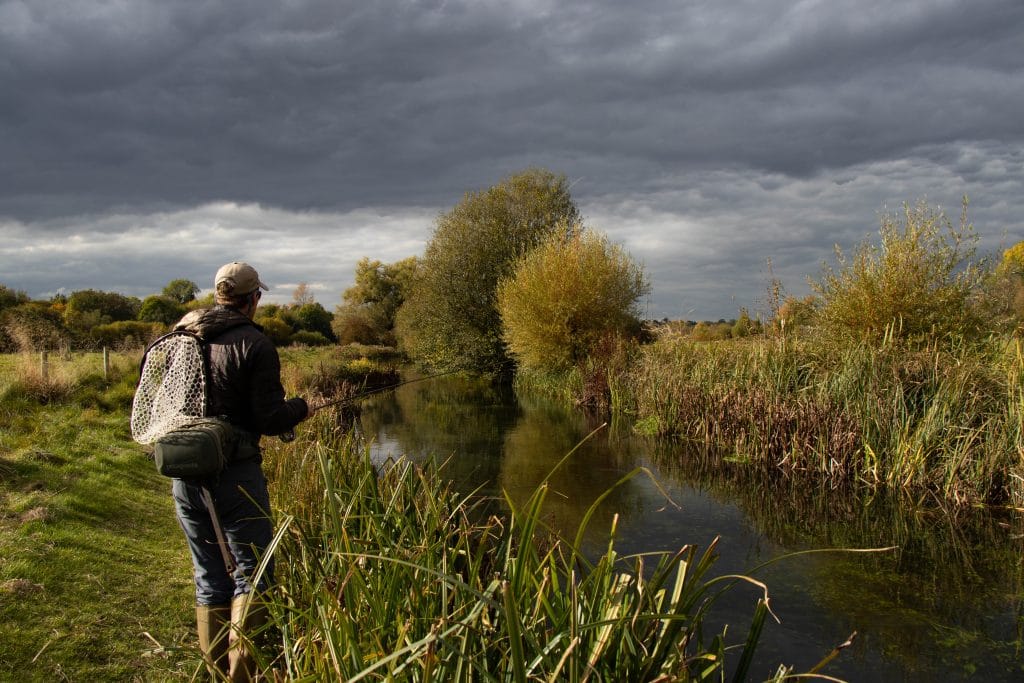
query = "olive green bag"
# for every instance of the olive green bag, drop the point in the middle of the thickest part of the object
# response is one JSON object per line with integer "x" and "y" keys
{"x": 197, "y": 450}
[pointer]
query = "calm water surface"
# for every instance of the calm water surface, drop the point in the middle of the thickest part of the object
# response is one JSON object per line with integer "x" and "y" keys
{"x": 946, "y": 605}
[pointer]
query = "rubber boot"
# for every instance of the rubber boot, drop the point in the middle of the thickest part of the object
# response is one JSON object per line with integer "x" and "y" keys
{"x": 213, "y": 624}
{"x": 247, "y": 617}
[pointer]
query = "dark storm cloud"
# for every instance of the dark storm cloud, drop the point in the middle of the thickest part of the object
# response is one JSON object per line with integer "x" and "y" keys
{"x": 326, "y": 104}
{"x": 687, "y": 128}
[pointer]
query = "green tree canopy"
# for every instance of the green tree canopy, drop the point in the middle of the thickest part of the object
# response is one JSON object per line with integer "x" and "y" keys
{"x": 450, "y": 318}
{"x": 566, "y": 297}
{"x": 917, "y": 283}
{"x": 371, "y": 303}
{"x": 313, "y": 317}
{"x": 181, "y": 291}
{"x": 161, "y": 309}
{"x": 10, "y": 298}
{"x": 89, "y": 307}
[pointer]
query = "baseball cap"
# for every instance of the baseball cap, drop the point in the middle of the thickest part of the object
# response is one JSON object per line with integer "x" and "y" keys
{"x": 239, "y": 278}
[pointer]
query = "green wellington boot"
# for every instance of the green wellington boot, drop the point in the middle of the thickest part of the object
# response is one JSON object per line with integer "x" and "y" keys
{"x": 213, "y": 623}
{"x": 247, "y": 618}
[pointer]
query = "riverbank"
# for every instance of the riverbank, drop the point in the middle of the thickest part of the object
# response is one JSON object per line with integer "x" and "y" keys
{"x": 933, "y": 419}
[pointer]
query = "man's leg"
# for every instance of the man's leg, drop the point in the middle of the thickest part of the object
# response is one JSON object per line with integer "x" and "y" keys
{"x": 244, "y": 504}
{"x": 214, "y": 587}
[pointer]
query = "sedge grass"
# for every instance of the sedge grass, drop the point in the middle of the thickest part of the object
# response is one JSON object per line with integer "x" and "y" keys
{"x": 384, "y": 573}
{"x": 944, "y": 419}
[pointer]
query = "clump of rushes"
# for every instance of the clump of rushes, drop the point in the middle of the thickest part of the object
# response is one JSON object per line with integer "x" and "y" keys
{"x": 945, "y": 418}
{"x": 386, "y": 574}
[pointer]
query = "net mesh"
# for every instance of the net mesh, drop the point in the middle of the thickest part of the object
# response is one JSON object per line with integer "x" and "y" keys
{"x": 172, "y": 388}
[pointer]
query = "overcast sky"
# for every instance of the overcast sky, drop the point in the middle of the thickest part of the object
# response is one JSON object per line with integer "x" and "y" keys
{"x": 147, "y": 140}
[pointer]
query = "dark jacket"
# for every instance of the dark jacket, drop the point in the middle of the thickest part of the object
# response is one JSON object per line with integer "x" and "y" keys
{"x": 245, "y": 372}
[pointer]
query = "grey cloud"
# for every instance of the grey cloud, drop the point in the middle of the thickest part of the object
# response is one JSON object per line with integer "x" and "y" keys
{"x": 779, "y": 126}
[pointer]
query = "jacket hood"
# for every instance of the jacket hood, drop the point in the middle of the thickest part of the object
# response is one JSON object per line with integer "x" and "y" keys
{"x": 209, "y": 323}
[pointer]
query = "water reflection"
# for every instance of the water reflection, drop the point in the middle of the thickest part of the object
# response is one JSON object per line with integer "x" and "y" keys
{"x": 946, "y": 605}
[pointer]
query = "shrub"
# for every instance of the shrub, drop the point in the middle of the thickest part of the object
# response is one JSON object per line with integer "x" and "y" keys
{"x": 307, "y": 338}
{"x": 917, "y": 283}
{"x": 33, "y": 327}
{"x": 278, "y": 330}
{"x": 566, "y": 297}
{"x": 126, "y": 333}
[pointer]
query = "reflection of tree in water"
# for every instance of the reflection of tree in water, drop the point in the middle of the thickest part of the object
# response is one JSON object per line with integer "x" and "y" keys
{"x": 451, "y": 419}
{"x": 542, "y": 437}
{"x": 948, "y": 600}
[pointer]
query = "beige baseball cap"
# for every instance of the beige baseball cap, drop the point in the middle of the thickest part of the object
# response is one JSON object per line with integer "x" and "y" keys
{"x": 240, "y": 278}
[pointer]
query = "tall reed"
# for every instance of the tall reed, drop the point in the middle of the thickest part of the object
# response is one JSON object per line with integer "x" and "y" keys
{"x": 386, "y": 574}
{"x": 946, "y": 419}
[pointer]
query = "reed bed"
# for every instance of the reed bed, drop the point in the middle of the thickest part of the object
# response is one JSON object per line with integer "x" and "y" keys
{"x": 385, "y": 574}
{"x": 945, "y": 419}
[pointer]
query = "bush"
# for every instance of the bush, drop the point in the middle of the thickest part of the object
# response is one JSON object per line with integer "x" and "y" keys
{"x": 566, "y": 297}
{"x": 917, "y": 284}
{"x": 33, "y": 327}
{"x": 307, "y": 338}
{"x": 353, "y": 325}
{"x": 278, "y": 330}
{"x": 126, "y": 333}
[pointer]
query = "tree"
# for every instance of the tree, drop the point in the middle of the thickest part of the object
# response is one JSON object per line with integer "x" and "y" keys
{"x": 352, "y": 325}
{"x": 10, "y": 298}
{"x": 450, "y": 318}
{"x": 313, "y": 317}
{"x": 182, "y": 291}
{"x": 568, "y": 296}
{"x": 917, "y": 284}
{"x": 743, "y": 327}
{"x": 371, "y": 303}
{"x": 1013, "y": 260}
{"x": 1003, "y": 300}
{"x": 89, "y": 307}
{"x": 161, "y": 309}
{"x": 302, "y": 295}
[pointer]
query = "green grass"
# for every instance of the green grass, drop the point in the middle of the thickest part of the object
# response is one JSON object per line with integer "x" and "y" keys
{"x": 95, "y": 579}
{"x": 385, "y": 573}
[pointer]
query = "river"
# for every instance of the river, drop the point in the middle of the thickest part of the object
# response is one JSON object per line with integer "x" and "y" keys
{"x": 945, "y": 603}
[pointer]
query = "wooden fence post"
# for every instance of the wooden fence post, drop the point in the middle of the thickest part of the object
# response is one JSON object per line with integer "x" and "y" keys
{"x": 44, "y": 364}
{"x": 106, "y": 364}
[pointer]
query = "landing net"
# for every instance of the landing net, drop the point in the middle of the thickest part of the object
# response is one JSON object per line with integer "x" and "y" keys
{"x": 172, "y": 388}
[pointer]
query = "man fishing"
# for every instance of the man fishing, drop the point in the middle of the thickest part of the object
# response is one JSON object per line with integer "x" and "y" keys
{"x": 245, "y": 387}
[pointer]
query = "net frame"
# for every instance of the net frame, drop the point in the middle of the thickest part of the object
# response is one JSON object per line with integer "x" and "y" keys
{"x": 172, "y": 388}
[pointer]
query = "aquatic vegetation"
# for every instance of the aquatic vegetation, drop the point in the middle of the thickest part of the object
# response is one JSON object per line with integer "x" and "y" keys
{"x": 941, "y": 418}
{"x": 386, "y": 573}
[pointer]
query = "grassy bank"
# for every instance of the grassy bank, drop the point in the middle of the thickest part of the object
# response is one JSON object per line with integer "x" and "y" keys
{"x": 940, "y": 419}
{"x": 94, "y": 575}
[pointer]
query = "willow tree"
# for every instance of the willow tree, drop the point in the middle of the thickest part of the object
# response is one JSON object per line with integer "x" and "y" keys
{"x": 567, "y": 298}
{"x": 917, "y": 284}
{"x": 450, "y": 318}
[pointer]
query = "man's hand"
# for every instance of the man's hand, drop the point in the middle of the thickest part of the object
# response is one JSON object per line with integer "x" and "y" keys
{"x": 313, "y": 404}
